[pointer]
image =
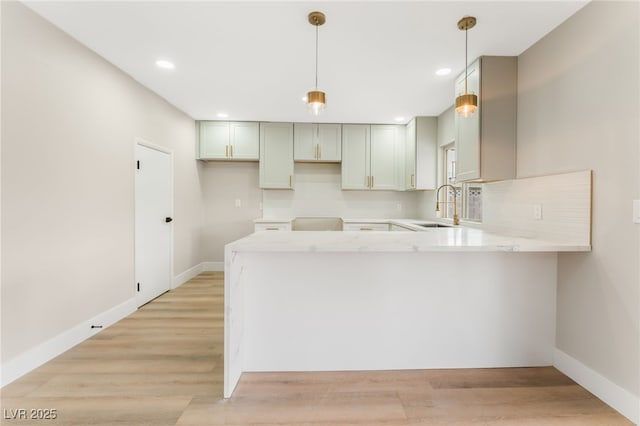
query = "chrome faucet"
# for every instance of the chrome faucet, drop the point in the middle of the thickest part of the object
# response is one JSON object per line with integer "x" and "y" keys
{"x": 456, "y": 219}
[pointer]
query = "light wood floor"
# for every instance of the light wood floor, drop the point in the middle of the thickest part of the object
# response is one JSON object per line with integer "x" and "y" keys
{"x": 163, "y": 366}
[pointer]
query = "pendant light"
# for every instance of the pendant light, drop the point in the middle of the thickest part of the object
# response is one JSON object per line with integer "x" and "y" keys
{"x": 467, "y": 103}
{"x": 316, "y": 99}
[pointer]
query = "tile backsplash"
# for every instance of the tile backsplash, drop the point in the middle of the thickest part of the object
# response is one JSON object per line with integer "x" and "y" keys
{"x": 553, "y": 207}
{"x": 317, "y": 192}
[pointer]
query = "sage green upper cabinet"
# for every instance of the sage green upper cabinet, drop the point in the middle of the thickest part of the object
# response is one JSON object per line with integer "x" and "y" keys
{"x": 213, "y": 138}
{"x": 356, "y": 166}
{"x": 372, "y": 156}
{"x": 244, "y": 140}
{"x": 387, "y": 156}
{"x": 223, "y": 140}
{"x": 276, "y": 155}
{"x": 486, "y": 140}
{"x": 421, "y": 150}
{"x": 317, "y": 142}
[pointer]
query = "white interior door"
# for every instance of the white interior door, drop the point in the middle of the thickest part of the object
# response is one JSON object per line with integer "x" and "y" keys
{"x": 153, "y": 217}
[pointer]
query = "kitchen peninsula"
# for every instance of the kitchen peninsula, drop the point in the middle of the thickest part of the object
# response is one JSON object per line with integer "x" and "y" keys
{"x": 441, "y": 298}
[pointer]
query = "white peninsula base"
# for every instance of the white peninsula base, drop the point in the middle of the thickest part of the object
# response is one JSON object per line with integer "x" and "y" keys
{"x": 321, "y": 310}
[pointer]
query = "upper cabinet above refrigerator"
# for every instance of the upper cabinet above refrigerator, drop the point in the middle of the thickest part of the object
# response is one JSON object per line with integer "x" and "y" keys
{"x": 317, "y": 142}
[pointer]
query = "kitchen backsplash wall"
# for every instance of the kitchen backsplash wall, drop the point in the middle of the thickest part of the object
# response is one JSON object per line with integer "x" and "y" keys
{"x": 232, "y": 200}
{"x": 317, "y": 192}
{"x": 564, "y": 201}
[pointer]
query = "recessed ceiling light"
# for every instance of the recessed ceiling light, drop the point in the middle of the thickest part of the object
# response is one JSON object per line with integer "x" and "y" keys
{"x": 443, "y": 71}
{"x": 399, "y": 119}
{"x": 223, "y": 115}
{"x": 163, "y": 63}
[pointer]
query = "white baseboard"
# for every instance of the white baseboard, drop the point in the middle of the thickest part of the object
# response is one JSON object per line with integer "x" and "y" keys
{"x": 185, "y": 276}
{"x": 620, "y": 399}
{"x": 212, "y": 266}
{"x": 33, "y": 358}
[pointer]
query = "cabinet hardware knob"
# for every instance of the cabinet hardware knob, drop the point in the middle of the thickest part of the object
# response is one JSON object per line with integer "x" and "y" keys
{"x": 168, "y": 219}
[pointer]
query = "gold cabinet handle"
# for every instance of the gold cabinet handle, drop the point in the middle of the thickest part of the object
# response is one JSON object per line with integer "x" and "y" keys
{"x": 366, "y": 229}
{"x": 226, "y": 150}
{"x": 272, "y": 229}
{"x": 290, "y": 181}
{"x": 316, "y": 153}
{"x": 319, "y": 152}
{"x": 231, "y": 150}
{"x": 368, "y": 181}
{"x": 372, "y": 182}
{"x": 413, "y": 185}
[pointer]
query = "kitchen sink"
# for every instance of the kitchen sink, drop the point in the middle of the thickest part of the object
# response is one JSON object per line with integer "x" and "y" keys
{"x": 317, "y": 224}
{"x": 432, "y": 225}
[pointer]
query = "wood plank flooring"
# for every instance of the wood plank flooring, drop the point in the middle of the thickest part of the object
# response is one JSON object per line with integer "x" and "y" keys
{"x": 163, "y": 365}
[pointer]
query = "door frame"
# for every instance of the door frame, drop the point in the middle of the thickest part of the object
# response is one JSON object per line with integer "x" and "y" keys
{"x": 142, "y": 142}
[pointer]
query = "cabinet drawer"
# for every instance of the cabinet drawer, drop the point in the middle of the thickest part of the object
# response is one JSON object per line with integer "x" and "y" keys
{"x": 365, "y": 227}
{"x": 398, "y": 228}
{"x": 280, "y": 226}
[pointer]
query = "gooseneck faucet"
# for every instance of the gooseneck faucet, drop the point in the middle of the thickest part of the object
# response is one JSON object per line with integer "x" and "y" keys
{"x": 456, "y": 219}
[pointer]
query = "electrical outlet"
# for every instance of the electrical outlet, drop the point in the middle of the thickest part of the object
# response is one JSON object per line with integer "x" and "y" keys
{"x": 238, "y": 202}
{"x": 537, "y": 211}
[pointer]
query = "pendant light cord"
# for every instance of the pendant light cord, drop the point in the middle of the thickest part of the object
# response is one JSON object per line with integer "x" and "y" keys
{"x": 316, "y": 56}
{"x": 466, "y": 55}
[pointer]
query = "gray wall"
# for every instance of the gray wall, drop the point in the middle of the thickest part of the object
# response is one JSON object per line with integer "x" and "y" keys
{"x": 578, "y": 109}
{"x": 69, "y": 119}
{"x": 222, "y": 184}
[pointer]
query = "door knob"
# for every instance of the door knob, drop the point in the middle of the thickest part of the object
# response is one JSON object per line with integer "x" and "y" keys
{"x": 168, "y": 219}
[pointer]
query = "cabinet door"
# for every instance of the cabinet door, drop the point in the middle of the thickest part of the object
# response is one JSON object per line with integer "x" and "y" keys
{"x": 214, "y": 140}
{"x": 385, "y": 148}
{"x": 425, "y": 153}
{"x": 276, "y": 155}
{"x": 468, "y": 130}
{"x": 317, "y": 142}
{"x": 244, "y": 141}
{"x": 329, "y": 141}
{"x": 355, "y": 156}
{"x": 304, "y": 142}
{"x": 410, "y": 156}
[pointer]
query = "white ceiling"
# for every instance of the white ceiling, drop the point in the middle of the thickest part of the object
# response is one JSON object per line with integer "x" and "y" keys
{"x": 255, "y": 60}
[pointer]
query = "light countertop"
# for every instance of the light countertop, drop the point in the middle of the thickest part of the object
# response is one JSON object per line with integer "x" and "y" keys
{"x": 456, "y": 239}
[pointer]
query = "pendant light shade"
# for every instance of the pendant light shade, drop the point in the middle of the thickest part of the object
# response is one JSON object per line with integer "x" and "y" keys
{"x": 467, "y": 103}
{"x": 316, "y": 99}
